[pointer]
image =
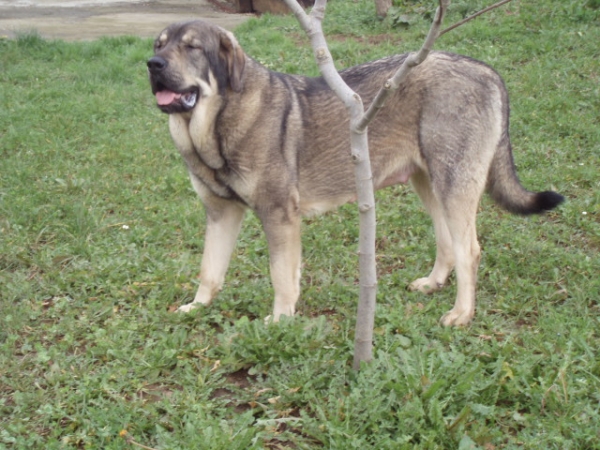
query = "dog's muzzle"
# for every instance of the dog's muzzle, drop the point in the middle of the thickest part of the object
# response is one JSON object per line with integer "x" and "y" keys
{"x": 157, "y": 64}
{"x": 169, "y": 100}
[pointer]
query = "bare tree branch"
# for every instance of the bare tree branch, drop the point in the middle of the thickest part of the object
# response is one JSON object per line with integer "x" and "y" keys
{"x": 312, "y": 26}
{"x": 477, "y": 14}
{"x": 411, "y": 61}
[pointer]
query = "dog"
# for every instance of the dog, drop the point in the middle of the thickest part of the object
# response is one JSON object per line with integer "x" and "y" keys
{"x": 278, "y": 145}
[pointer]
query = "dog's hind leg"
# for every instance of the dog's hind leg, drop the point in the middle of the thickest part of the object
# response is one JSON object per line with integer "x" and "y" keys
{"x": 223, "y": 223}
{"x": 460, "y": 213}
{"x": 444, "y": 260}
{"x": 454, "y": 221}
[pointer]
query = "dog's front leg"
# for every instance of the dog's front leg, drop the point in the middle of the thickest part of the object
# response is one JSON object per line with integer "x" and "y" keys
{"x": 285, "y": 251}
{"x": 223, "y": 223}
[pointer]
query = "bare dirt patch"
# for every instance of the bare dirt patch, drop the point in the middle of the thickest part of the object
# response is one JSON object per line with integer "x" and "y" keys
{"x": 73, "y": 20}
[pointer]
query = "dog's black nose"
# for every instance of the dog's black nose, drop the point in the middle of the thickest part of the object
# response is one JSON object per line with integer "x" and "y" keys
{"x": 156, "y": 64}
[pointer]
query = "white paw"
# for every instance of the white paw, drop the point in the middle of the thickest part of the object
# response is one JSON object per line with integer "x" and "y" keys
{"x": 281, "y": 310}
{"x": 189, "y": 307}
{"x": 456, "y": 318}
{"x": 425, "y": 285}
{"x": 274, "y": 318}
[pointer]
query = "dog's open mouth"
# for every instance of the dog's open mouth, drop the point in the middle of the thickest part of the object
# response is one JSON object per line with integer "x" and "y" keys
{"x": 168, "y": 98}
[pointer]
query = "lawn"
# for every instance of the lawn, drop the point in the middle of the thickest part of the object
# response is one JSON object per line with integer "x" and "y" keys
{"x": 101, "y": 236}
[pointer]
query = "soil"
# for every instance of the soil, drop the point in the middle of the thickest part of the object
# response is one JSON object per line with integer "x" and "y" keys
{"x": 75, "y": 20}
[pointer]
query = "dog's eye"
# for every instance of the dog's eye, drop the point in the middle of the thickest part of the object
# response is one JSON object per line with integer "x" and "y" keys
{"x": 193, "y": 47}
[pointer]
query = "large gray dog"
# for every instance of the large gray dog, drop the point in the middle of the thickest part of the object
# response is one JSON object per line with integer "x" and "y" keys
{"x": 279, "y": 145}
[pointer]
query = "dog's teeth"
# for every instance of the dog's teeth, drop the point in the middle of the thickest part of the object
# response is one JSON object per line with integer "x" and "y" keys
{"x": 189, "y": 99}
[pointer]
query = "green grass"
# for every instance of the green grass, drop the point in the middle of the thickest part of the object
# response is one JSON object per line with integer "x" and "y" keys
{"x": 101, "y": 236}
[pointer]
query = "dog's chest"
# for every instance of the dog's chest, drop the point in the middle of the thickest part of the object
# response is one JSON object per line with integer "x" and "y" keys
{"x": 198, "y": 147}
{"x": 195, "y": 138}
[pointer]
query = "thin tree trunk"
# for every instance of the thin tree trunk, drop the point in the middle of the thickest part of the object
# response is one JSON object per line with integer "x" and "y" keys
{"x": 359, "y": 148}
{"x": 382, "y": 7}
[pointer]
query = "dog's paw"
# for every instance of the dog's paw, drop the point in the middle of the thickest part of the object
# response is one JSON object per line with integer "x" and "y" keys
{"x": 456, "y": 318}
{"x": 425, "y": 285}
{"x": 189, "y": 307}
{"x": 272, "y": 319}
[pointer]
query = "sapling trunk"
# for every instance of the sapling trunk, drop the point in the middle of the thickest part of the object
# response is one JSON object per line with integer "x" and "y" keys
{"x": 359, "y": 152}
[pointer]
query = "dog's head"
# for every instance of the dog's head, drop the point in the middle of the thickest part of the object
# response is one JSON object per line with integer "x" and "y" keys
{"x": 192, "y": 60}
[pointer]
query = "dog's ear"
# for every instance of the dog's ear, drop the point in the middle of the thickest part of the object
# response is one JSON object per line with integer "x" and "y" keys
{"x": 233, "y": 55}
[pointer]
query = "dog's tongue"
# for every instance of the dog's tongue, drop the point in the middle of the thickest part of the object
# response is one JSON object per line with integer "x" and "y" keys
{"x": 164, "y": 98}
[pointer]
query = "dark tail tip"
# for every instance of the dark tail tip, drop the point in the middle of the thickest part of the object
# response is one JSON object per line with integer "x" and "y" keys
{"x": 545, "y": 201}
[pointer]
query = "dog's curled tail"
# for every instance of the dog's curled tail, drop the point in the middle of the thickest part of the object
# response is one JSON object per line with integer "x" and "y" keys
{"x": 506, "y": 189}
